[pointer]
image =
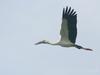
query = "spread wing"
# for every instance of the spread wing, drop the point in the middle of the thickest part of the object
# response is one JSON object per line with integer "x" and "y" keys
{"x": 68, "y": 30}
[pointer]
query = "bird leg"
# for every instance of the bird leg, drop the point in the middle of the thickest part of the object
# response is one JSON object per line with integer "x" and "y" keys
{"x": 87, "y": 49}
{"x": 80, "y": 47}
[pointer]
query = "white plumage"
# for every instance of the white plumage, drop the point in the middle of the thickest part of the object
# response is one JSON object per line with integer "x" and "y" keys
{"x": 68, "y": 30}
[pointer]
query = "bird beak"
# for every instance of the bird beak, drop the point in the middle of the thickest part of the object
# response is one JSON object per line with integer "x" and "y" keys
{"x": 37, "y": 43}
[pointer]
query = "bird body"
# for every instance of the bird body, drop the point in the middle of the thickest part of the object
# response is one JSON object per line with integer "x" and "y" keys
{"x": 68, "y": 30}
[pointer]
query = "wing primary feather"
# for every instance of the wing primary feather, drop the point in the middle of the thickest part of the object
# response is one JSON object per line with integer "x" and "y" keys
{"x": 68, "y": 26}
{"x": 63, "y": 13}
{"x": 66, "y": 9}
{"x": 69, "y": 11}
{"x": 74, "y": 13}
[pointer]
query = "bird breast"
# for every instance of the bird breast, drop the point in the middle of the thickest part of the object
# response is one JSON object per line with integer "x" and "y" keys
{"x": 65, "y": 44}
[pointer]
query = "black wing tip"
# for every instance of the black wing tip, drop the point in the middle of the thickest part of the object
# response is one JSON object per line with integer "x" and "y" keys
{"x": 69, "y": 11}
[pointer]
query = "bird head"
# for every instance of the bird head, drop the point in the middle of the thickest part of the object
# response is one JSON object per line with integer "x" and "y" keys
{"x": 42, "y": 42}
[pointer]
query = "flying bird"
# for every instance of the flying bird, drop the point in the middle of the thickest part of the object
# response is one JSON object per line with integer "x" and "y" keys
{"x": 68, "y": 30}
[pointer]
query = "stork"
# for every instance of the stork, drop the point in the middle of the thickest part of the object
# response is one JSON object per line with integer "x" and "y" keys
{"x": 68, "y": 30}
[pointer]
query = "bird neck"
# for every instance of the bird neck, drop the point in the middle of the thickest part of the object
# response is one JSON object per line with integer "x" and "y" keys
{"x": 50, "y": 43}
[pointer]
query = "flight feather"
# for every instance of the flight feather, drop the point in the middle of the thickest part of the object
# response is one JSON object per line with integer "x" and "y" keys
{"x": 68, "y": 27}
